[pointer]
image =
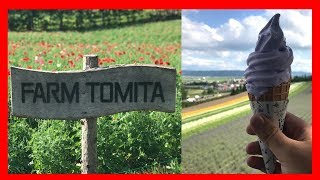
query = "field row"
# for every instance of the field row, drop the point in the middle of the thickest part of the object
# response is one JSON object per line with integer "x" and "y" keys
{"x": 222, "y": 149}
{"x": 222, "y": 114}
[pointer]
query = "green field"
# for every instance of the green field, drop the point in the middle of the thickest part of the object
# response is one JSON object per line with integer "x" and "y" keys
{"x": 193, "y": 92}
{"x": 132, "y": 142}
{"x": 152, "y": 43}
{"x": 221, "y": 148}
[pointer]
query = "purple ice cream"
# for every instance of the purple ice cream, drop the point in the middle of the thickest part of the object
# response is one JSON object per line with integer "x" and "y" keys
{"x": 269, "y": 64}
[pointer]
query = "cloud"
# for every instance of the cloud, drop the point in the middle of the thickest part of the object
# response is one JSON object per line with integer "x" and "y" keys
{"x": 302, "y": 65}
{"x": 198, "y": 36}
{"x": 190, "y": 62}
{"x": 190, "y": 11}
{"x": 233, "y": 40}
{"x": 296, "y": 25}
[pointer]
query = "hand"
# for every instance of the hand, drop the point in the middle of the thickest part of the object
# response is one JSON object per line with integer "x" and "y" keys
{"x": 292, "y": 147}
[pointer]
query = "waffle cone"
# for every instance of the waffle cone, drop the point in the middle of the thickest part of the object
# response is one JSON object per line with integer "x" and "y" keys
{"x": 277, "y": 93}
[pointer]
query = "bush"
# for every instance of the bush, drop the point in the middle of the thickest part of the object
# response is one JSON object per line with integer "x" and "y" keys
{"x": 56, "y": 147}
{"x": 132, "y": 140}
{"x": 19, "y": 150}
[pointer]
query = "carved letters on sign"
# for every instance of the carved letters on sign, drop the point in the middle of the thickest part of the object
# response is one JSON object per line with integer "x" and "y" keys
{"x": 59, "y": 92}
{"x": 92, "y": 93}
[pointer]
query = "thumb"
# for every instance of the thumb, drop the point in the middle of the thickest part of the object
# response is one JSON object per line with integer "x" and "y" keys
{"x": 271, "y": 135}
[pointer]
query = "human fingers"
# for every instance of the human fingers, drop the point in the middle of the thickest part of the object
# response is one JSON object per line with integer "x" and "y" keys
{"x": 253, "y": 148}
{"x": 271, "y": 135}
{"x": 257, "y": 162}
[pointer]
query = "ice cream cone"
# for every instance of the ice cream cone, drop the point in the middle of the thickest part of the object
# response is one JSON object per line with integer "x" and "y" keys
{"x": 270, "y": 65}
{"x": 274, "y": 105}
{"x": 277, "y": 93}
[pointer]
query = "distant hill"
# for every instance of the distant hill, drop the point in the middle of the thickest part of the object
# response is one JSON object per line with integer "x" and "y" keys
{"x": 232, "y": 73}
{"x": 300, "y": 73}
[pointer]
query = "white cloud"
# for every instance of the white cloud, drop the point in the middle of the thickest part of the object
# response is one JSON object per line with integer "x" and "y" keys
{"x": 204, "y": 64}
{"x": 304, "y": 65}
{"x": 296, "y": 25}
{"x": 198, "y": 35}
{"x": 232, "y": 41}
{"x": 190, "y": 11}
{"x": 190, "y": 62}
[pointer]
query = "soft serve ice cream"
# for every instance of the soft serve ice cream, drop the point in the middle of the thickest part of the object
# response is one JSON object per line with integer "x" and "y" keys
{"x": 268, "y": 80}
{"x": 269, "y": 64}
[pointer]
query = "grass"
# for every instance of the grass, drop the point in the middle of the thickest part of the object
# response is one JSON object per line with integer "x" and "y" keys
{"x": 207, "y": 114}
{"x": 218, "y": 120}
{"x": 222, "y": 149}
{"x": 193, "y": 92}
{"x": 301, "y": 87}
{"x": 214, "y": 123}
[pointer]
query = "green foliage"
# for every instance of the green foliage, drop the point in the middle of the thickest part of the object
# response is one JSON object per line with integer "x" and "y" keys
{"x": 127, "y": 142}
{"x": 56, "y": 147}
{"x": 301, "y": 78}
{"x": 19, "y": 150}
{"x": 53, "y": 20}
{"x": 238, "y": 90}
{"x": 210, "y": 91}
{"x": 136, "y": 139}
{"x": 184, "y": 92}
{"x": 173, "y": 167}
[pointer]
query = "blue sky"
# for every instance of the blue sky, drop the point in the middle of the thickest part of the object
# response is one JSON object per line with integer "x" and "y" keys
{"x": 222, "y": 39}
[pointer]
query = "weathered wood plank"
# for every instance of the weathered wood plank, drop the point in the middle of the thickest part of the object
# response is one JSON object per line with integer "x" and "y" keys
{"x": 92, "y": 93}
{"x": 89, "y": 157}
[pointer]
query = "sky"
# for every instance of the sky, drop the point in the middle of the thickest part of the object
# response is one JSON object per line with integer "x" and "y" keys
{"x": 223, "y": 39}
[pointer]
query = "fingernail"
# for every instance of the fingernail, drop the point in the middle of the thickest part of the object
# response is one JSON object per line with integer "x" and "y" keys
{"x": 258, "y": 121}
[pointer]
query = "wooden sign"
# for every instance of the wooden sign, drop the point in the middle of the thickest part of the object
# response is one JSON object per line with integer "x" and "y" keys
{"x": 92, "y": 93}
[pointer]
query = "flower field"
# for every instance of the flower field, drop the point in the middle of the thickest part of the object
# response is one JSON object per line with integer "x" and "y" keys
{"x": 132, "y": 142}
{"x": 156, "y": 43}
{"x": 216, "y": 143}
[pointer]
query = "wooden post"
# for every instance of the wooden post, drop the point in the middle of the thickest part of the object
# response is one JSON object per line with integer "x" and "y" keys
{"x": 89, "y": 158}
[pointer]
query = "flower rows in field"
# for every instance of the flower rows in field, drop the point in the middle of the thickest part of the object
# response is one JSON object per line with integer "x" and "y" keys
{"x": 217, "y": 117}
{"x": 215, "y": 107}
{"x": 240, "y": 110}
{"x": 222, "y": 149}
{"x": 48, "y": 56}
{"x": 151, "y": 43}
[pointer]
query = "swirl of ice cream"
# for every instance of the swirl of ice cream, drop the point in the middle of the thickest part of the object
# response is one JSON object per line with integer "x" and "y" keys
{"x": 269, "y": 65}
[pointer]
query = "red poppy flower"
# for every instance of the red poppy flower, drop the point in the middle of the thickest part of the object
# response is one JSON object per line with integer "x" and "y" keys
{"x": 71, "y": 64}
{"x": 118, "y": 53}
{"x": 160, "y": 61}
{"x": 26, "y": 59}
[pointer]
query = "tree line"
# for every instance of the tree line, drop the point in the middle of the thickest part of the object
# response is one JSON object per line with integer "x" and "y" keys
{"x": 63, "y": 20}
{"x": 301, "y": 78}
